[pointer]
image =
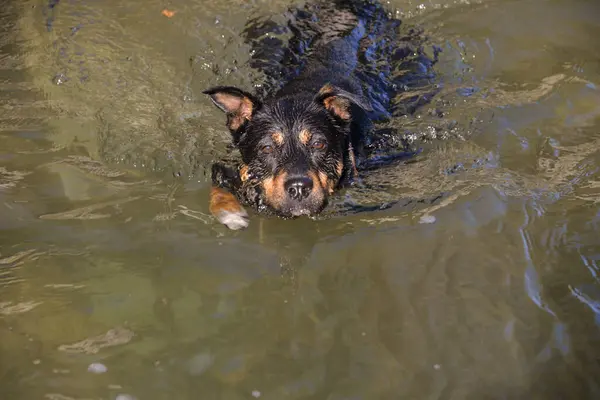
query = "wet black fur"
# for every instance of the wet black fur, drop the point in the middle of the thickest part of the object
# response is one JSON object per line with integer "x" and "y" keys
{"x": 334, "y": 42}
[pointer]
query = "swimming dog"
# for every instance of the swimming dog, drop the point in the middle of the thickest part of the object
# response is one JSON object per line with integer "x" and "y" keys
{"x": 303, "y": 140}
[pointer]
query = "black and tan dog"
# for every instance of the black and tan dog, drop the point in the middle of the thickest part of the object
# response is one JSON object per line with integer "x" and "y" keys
{"x": 304, "y": 140}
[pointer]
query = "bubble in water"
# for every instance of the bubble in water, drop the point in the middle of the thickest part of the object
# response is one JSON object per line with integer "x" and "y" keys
{"x": 124, "y": 397}
{"x": 200, "y": 363}
{"x": 59, "y": 79}
{"x": 427, "y": 219}
{"x": 255, "y": 394}
{"x": 97, "y": 368}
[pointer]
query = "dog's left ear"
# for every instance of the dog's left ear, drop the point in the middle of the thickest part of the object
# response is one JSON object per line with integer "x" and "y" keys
{"x": 238, "y": 104}
{"x": 338, "y": 101}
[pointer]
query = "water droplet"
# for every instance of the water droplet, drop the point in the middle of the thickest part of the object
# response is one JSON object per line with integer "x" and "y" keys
{"x": 59, "y": 79}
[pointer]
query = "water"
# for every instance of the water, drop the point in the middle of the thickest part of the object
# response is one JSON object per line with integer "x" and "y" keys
{"x": 482, "y": 283}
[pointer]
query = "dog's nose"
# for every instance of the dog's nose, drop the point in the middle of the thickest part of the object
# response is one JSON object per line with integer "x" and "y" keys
{"x": 298, "y": 188}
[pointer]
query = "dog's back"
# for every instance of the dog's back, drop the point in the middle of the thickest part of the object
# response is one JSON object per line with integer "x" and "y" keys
{"x": 353, "y": 44}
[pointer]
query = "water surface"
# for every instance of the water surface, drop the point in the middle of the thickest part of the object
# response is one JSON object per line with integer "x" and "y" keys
{"x": 482, "y": 282}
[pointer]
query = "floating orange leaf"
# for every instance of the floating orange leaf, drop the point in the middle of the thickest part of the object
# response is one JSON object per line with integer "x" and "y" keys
{"x": 168, "y": 13}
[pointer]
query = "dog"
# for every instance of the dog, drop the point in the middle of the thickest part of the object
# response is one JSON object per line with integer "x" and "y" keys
{"x": 304, "y": 140}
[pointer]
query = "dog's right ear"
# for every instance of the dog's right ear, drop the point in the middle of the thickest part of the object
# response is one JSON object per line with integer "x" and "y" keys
{"x": 238, "y": 105}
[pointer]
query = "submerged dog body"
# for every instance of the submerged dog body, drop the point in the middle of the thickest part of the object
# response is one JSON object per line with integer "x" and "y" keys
{"x": 301, "y": 143}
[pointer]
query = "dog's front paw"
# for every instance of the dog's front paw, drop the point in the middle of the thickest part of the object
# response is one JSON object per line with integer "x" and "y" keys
{"x": 227, "y": 210}
{"x": 234, "y": 221}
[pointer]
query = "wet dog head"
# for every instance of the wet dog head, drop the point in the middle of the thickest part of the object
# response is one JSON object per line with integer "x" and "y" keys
{"x": 293, "y": 147}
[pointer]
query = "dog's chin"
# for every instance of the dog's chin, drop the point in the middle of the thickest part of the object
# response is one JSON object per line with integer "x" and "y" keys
{"x": 298, "y": 210}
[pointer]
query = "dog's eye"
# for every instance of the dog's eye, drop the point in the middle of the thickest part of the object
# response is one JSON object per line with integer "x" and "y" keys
{"x": 266, "y": 149}
{"x": 318, "y": 145}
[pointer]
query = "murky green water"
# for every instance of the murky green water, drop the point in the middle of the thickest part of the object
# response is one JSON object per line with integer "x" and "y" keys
{"x": 108, "y": 254}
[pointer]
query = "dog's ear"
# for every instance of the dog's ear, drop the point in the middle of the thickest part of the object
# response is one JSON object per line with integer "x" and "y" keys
{"x": 338, "y": 101}
{"x": 238, "y": 104}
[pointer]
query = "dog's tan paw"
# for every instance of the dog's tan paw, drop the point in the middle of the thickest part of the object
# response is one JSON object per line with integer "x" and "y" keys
{"x": 227, "y": 210}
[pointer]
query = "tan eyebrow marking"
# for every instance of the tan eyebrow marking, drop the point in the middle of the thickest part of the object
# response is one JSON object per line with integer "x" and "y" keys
{"x": 277, "y": 138}
{"x": 305, "y": 136}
